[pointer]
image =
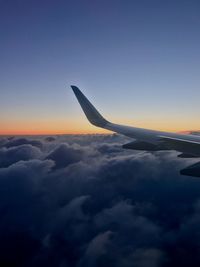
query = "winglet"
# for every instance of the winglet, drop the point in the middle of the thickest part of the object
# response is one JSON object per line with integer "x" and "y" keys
{"x": 90, "y": 111}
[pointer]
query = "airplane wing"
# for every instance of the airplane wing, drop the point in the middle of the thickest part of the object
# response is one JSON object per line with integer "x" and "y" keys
{"x": 192, "y": 170}
{"x": 98, "y": 120}
{"x": 149, "y": 140}
{"x": 179, "y": 144}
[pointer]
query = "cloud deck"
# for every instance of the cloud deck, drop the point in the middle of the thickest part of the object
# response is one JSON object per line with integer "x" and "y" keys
{"x": 83, "y": 201}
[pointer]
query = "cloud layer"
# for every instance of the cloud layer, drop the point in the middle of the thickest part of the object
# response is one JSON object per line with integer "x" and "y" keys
{"x": 84, "y": 201}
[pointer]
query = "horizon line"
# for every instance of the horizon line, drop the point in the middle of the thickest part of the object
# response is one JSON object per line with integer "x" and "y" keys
{"x": 89, "y": 133}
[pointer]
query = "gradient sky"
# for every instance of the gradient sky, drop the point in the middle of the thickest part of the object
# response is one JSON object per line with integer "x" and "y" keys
{"x": 137, "y": 61}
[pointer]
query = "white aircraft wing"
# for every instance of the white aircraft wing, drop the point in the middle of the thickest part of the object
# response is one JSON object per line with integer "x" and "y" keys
{"x": 147, "y": 139}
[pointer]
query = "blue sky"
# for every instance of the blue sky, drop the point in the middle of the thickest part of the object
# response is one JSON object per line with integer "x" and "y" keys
{"x": 138, "y": 61}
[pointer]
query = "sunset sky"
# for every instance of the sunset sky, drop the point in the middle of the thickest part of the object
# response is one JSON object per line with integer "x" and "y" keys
{"x": 137, "y": 61}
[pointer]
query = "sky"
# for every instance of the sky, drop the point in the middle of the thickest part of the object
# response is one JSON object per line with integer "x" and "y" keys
{"x": 137, "y": 61}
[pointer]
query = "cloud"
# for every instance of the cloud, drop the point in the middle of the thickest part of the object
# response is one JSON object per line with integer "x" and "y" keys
{"x": 50, "y": 138}
{"x": 96, "y": 250}
{"x": 11, "y": 155}
{"x": 22, "y": 141}
{"x": 144, "y": 258}
{"x": 84, "y": 201}
{"x": 64, "y": 155}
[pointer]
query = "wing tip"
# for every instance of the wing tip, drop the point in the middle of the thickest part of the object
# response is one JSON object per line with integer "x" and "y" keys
{"x": 75, "y": 88}
{"x": 90, "y": 111}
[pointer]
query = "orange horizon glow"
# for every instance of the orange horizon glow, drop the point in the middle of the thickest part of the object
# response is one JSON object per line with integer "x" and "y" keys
{"x": 61, "y": 127}
{"x": 23, "y": 132}
{"x": 48, "y": 127}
